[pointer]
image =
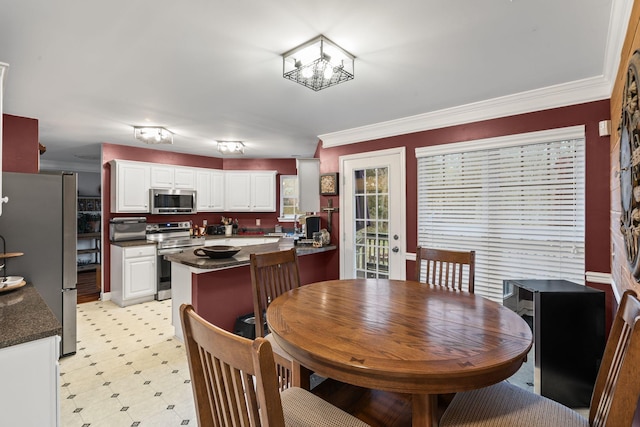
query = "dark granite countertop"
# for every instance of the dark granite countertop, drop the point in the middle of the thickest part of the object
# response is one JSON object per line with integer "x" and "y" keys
{"x": 25, "y": 317}
{"x": 128, "y": 243}
{"x": 241, "y": 258}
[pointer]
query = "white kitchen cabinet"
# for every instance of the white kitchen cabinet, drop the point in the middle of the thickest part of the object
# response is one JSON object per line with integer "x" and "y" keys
{"x": 263, "y": 191}
{"x": 161, "y": 176}
{"x": 133, "y": 274}
{"x": 30, "y": 393}
{"x": 184, "y": 178}
{"x": 130, "y": 183}
{"x": 210, "y": 190}
{"x": 250, "y": 191}
{"x": 172, "y": 177}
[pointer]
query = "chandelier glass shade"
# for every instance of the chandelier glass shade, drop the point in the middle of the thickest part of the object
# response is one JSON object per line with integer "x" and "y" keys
{"x": 318, "y": 64}
{"x": 153, "y": 134}
{"x": 231, "y": 147}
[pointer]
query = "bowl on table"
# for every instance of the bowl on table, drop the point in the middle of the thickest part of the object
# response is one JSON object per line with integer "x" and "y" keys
{"x": 215, "y": 252}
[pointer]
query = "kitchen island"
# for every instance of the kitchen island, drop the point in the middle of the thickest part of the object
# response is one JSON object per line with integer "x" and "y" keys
{"x": 29, "y": 351}
{"x": 220, "y": 289}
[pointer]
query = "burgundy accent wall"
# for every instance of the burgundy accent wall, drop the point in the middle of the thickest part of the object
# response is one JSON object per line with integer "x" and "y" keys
{"x": 222, "y": 296}
{"x": 20, "y": 151}
{"x": 597, "y": 239}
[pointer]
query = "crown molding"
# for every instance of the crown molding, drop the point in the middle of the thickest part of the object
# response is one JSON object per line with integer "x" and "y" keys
{"x": 577, "y": 92}
{"x": 571, "y": 93}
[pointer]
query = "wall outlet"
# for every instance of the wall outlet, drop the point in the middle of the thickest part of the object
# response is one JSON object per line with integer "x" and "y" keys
{"x": 257, "y": 222}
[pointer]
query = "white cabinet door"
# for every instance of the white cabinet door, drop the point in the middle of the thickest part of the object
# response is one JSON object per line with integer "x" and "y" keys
{"x": 203, "y": 190}
{"x": 133, "y": 274}
{"x": 184, "y": 178}
{"x": 162, "y": 176}
{"x": 30, "y": 392}
{"x": 237, "y": 191}
{"x": 130, "y": 183}
{"x": 171, "y": 177}
{"x": 210, "y": 190}
{"x": 217, "y": 191}
{"x": 263, "y": 191}
{"x": 139, "y": 272}
{"x": 247, "y": 191}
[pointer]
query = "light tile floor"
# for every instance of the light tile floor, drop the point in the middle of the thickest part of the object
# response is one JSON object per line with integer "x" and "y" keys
{"x": 129, "y": 369}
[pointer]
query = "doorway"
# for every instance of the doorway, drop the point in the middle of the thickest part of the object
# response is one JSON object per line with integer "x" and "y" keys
{"x": 373, "y": 200}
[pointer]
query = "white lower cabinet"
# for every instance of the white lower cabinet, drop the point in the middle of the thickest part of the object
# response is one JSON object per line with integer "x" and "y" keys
{"x": 133, "y": 274}
{"x": 30, "y": 392}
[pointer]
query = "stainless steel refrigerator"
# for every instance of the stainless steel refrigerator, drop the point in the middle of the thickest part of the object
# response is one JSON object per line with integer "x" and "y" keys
{"x": 40, "y": 220}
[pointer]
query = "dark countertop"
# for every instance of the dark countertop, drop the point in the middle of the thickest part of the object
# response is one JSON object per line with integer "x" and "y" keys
{"x": 25, "y": 317}
{"x": 128, "y": 243}
{"x": 241, "y": 258}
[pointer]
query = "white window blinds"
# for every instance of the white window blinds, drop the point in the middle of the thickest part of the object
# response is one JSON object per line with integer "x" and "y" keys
{"x": 518, "y": 203}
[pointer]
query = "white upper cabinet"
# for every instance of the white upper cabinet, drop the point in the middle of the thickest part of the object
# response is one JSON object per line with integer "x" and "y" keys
{"x": 250, "y": 191}
{"x": 184, "y": 178}
{"x": 210, "y": 190}
{"x": 130, "y": 183}
{"x": 263, "y": 191}
{"x": 308, "y": 184}
{"x": 172, "y": 177}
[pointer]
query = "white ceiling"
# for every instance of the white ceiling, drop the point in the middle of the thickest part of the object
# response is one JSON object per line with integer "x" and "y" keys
{"x": 212, "y": 69}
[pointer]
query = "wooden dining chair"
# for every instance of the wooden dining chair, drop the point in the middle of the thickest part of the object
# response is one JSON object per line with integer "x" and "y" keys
{"x": 272, "y": 274}
{"x": 613, "y": 402}
{"x": 234, "y": 382}
{"x": 446, "y": 268}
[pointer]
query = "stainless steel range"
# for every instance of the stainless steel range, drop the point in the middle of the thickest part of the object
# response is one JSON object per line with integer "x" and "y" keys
{"x": 171, "y": 238}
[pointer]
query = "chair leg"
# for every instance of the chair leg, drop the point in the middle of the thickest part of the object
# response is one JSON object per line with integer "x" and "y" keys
{"x": 300, "y": 376}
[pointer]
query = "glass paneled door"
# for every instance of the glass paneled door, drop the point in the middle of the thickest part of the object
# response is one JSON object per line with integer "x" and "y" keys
{"x": 373, "y": 216}
{"x": 372, "y": 222}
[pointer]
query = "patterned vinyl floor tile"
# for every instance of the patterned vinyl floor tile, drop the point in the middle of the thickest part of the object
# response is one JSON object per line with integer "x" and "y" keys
{"x": 129, "y": 369}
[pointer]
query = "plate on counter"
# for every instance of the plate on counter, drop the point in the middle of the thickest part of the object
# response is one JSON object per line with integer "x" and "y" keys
{"x": 11, "y": 282}
{"x": 216, "y": 252}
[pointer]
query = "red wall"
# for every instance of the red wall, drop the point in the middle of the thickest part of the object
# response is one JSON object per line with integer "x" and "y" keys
{"x": 597, "y": 167}
{"x": 222, "y": 296}
{"x": 20, "y": 151}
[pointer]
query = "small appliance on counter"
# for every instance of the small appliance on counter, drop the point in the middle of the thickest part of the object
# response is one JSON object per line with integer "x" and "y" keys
{"x": 127, "y": 228}
{"x": 214, "y": 230}
{"x": 312, "y": 225}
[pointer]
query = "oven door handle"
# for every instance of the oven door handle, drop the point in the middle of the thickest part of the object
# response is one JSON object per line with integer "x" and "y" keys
{"x": 170, "y": 251}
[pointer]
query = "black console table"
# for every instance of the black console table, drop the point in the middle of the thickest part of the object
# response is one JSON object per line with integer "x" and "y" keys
{"x": 568, "y": 325}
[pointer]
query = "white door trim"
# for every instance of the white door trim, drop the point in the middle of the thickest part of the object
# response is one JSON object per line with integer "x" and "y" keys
{"x": 401, "y": 222}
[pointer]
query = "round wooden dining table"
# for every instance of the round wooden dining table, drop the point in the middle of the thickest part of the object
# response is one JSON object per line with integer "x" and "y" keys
{"x": 400, "y": 336}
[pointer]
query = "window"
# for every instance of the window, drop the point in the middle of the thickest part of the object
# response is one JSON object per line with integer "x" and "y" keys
{"x": 518, "y": 201}
{"x": 288, "y": 197}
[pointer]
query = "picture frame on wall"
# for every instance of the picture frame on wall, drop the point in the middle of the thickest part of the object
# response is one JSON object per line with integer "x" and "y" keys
{"x": 329, "y": 184}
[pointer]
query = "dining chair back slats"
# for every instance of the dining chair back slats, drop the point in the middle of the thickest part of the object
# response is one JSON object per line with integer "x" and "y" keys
{"x": 446, "y": 268}
{"x": 272, "y": 274}
{"x": 617, "y": 388}
{"x": 234, "y": 382}
{"x": 223, "y": 367}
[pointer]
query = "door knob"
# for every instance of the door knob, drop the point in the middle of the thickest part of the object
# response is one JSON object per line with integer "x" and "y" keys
{"x": 395, "y": 249}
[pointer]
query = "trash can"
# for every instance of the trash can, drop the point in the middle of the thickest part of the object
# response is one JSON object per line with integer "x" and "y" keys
{"x": 245, "y": 326}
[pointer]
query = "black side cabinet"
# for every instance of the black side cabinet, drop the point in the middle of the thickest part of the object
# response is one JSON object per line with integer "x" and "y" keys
{"x": 568, "y": 326}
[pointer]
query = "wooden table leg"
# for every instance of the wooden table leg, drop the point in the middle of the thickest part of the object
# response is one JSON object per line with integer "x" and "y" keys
{"x": 424, "y": 410}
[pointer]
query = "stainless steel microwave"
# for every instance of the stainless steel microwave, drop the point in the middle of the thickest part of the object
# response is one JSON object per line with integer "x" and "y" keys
{"x": 164, "y": 201}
